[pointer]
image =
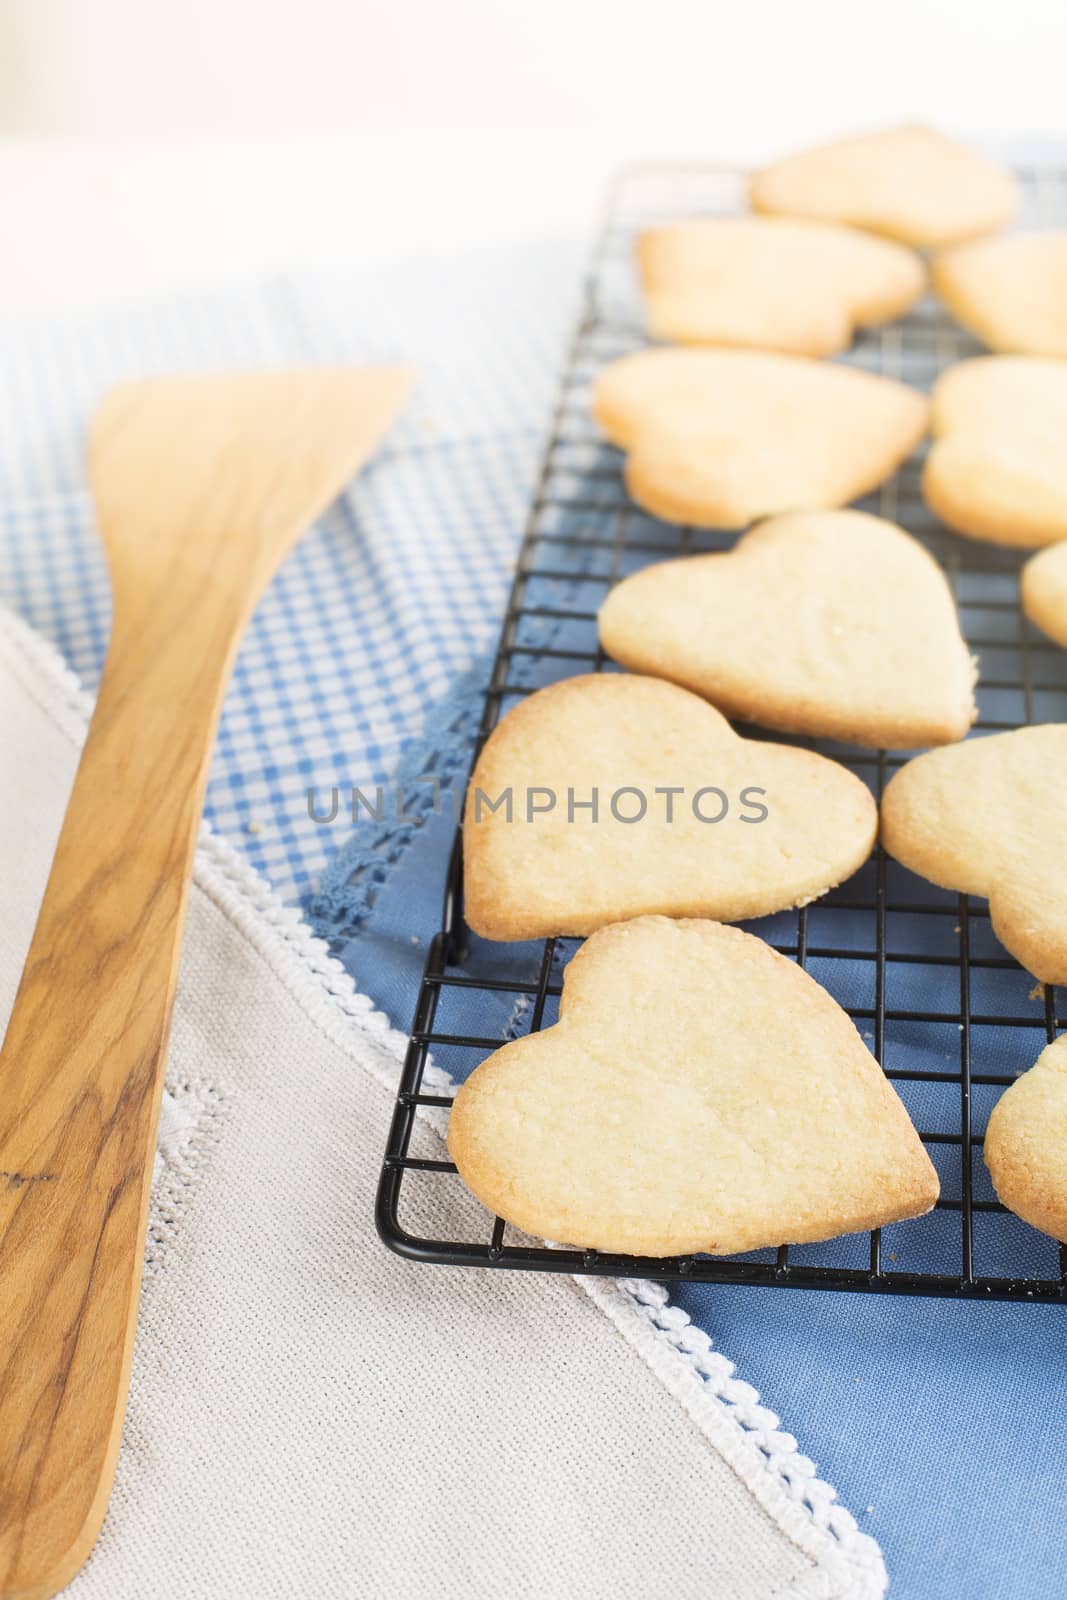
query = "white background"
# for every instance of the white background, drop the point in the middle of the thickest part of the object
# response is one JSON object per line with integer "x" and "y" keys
{"x": 698, "y": 68}
{"x": 143, "y": 142}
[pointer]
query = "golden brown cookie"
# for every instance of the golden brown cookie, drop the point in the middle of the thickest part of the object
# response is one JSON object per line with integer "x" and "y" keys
{"x": 1011, "y": 292}
{"x": 1044, "y": 591}
{"x": 910, "y": 184}
{"x": 987, "y": 818}
{"x": 832, "y": 623}
{"x": 998, "y": 467}
{"x": 690, "y": 818}
{"x": 1026, "y": 1143}
{"x": 718, "y": 438}
{"x": 699, "y": 1092}
{"x": 772, "y": 283}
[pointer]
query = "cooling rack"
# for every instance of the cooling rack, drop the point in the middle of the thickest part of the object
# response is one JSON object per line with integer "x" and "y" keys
{"x": 951, "y": 1018}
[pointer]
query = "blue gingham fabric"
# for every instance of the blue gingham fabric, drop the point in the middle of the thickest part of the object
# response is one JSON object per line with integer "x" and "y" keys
{"x": 360, "y": 631}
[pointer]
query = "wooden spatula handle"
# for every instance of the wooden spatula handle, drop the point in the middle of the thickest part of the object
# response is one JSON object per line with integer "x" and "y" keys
{"x": 201, "y": 485}
{"x": 80, "y": 1091}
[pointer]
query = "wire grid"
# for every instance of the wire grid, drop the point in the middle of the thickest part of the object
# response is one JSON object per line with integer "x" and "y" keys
{"x": 881, "y": 933}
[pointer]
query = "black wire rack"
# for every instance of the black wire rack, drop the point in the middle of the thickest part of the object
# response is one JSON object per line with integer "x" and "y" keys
{"x": 950, "y": 1016}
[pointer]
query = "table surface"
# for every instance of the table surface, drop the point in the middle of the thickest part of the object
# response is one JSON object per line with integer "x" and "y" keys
{"x": 150, "y": 217}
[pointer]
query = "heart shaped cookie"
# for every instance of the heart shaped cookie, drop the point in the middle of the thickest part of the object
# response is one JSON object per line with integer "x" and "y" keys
{"x": 607, "y": 796}
{"x": 1011, "y": 292}
{"x": 699, "y": 1092}
{"x": 1043, "y": 585}
{"x": 717, "y": 438}
{"x": 998, "y": 469}
{"x": 771, "y": 283}
{"x": 1026, "y": 1143}
{"x": 832, "y": 623}
{"x": 987, "y": 818}
{"x": 912, "y": 184}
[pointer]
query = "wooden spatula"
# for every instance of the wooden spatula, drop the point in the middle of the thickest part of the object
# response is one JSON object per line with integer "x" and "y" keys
{"x": 201, "y": 484}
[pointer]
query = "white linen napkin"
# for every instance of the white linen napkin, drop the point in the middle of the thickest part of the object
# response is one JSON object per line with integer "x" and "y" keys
{"x": 310, "y": 1415}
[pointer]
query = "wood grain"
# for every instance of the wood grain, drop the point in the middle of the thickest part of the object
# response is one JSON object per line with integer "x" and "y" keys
{"x": 201, "y": 485}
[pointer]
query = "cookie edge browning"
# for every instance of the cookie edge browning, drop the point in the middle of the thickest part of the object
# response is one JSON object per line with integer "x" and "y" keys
{"x": 792, "y": 716}
{"x": 961, "y": 511}
{"x": 997, "y": 216}
{"x": 663, "y": 327}
{"x": 919, "y": 850}
{"x": 922, "y": 851}
{"x": 950, "y": 283}
{"x": 482, "y": 894}
{"x": 850, "y": 319}
{"x": 732, "y": 511}
{"x": 955, "y": 296}
{"x": 917, "y": 1195}
{"x": 1016, "y": 1184}
{"x": 968, "y": 515}
{"x": 1012, "y": 919}
{"x": 1043, "y": 613}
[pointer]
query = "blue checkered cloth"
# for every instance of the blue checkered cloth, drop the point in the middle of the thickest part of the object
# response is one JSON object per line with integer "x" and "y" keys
{"x": 940, "y": 1423}
{"x": 394, "y": 592}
